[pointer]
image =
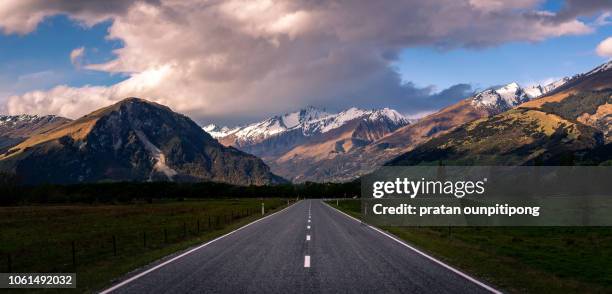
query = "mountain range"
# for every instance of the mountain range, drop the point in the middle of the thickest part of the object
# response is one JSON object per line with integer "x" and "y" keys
{"x": 295, "y": 143}
{"x": 15, "y": 129}
{"x": 314, "y": 145}
{"x": 132, "y": 140}
{"x": 570, "y": 125}
{"x": 568, "y": 121}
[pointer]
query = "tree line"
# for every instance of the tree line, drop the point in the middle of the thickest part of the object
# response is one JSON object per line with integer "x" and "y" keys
{"x": 14, "y": 193}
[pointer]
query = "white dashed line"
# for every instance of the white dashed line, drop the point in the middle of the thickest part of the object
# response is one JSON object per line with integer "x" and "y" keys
{"x": 307, "y": 237}
{"x": 307, "y": 261}
{"x": 308, "y": 220}
{"x": 308, "y": 227}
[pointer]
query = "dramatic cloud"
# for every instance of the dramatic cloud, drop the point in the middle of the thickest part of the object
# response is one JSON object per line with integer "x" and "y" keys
{"x": 604, "y": 48}
{"x": 22, "y": 16}
{"x": 242, "y": 59}
{"x": 76, "y": 56}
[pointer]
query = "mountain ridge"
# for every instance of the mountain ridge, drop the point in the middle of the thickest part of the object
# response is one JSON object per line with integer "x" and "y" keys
{"x": 132, "y": 140}
{"x": 320, "y": 137}
{"x": 14, "y": 129}
{"x": 571, "y": 124}
{"x": 344, "y": 155}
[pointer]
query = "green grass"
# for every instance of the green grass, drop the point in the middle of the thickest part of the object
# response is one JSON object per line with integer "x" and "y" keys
{"x": 518, "y": 259}
{"x": 40, "y": 238}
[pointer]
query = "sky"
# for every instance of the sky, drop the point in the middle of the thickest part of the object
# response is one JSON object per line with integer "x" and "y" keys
{"x": 236, "y": 61}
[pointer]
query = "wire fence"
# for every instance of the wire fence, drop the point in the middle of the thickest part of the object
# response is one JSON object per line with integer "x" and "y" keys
{"x": 70, "y": 255}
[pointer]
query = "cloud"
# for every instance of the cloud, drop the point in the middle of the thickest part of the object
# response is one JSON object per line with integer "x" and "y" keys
{"x": 500, "y": 5}
{"x": 76, "y": 56}
{"x": 243, "y": 59}
{"x": 603, "y": 19}
{"x": 604, "y": 49}
{"x": 574, "y": 8}
{"x": 22, "y": 16}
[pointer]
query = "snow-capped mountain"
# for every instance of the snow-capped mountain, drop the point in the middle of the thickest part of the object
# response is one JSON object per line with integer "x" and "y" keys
{"x": 16, "y": 128}
{"x": 12, "y": 120}
{"x": 571, "y": 124}
{"x": 602, "y": 68}
{"x": 309, "y": 121}
{"x": 296, "y": 141}
{"x": 511, "y": 95}
{"x": 262, "y": 130}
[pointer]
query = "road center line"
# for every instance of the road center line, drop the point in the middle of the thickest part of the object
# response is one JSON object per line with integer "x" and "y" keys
{"x": 307, "y": 261}
{"x": 308, "y": 227}
{"x": 307, "y": 237}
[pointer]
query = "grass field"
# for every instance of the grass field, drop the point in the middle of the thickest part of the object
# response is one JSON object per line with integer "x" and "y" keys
{"x": 112, "y": 240}
{"x": 518, "y": 259}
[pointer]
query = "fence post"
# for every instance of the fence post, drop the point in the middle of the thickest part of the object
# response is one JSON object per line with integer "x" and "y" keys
{"x": 114, "y": 246}
{"x": 73, "y": 254}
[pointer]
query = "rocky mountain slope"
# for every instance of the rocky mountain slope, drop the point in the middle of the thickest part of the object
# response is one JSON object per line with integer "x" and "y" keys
{"x": 292, "y": 144}
{"x": 338, "y": 147}
{"x": 14, "y": 129}
{"x": 133, "y": 140}
{"x": 569, "y": 125}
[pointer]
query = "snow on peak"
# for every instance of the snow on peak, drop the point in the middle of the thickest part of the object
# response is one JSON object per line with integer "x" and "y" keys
{"x": 218, "y": 132}
{"x": 604, "y": 67}
{"x": 310, "y": 113}
{"x": 555, "y": 84}
{"x": 12, "y": 120}
{"x": 390, "y": 114}
{"x": 331, "y": 122}
{"x": 534, "y": 91}
{"x": 210, "y": 128}
{"x": 513, "y": 94}
{"x": 310, "y": 120}
{"x": 502, "y": 98}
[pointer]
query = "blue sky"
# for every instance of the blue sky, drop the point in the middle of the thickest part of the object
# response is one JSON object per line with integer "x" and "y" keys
{"x": 40, "y": 60}
{"x": 520, "y": 62}
{"x": 253, "y": 76}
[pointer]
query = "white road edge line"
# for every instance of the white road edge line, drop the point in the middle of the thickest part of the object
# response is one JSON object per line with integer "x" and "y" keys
{"x": 307, "y": 261}
{"x": 127, "y": 281}
{"x": 456, "y": 271}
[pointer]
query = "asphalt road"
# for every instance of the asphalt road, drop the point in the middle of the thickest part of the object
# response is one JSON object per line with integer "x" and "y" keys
{"x": 287, "y": 253}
